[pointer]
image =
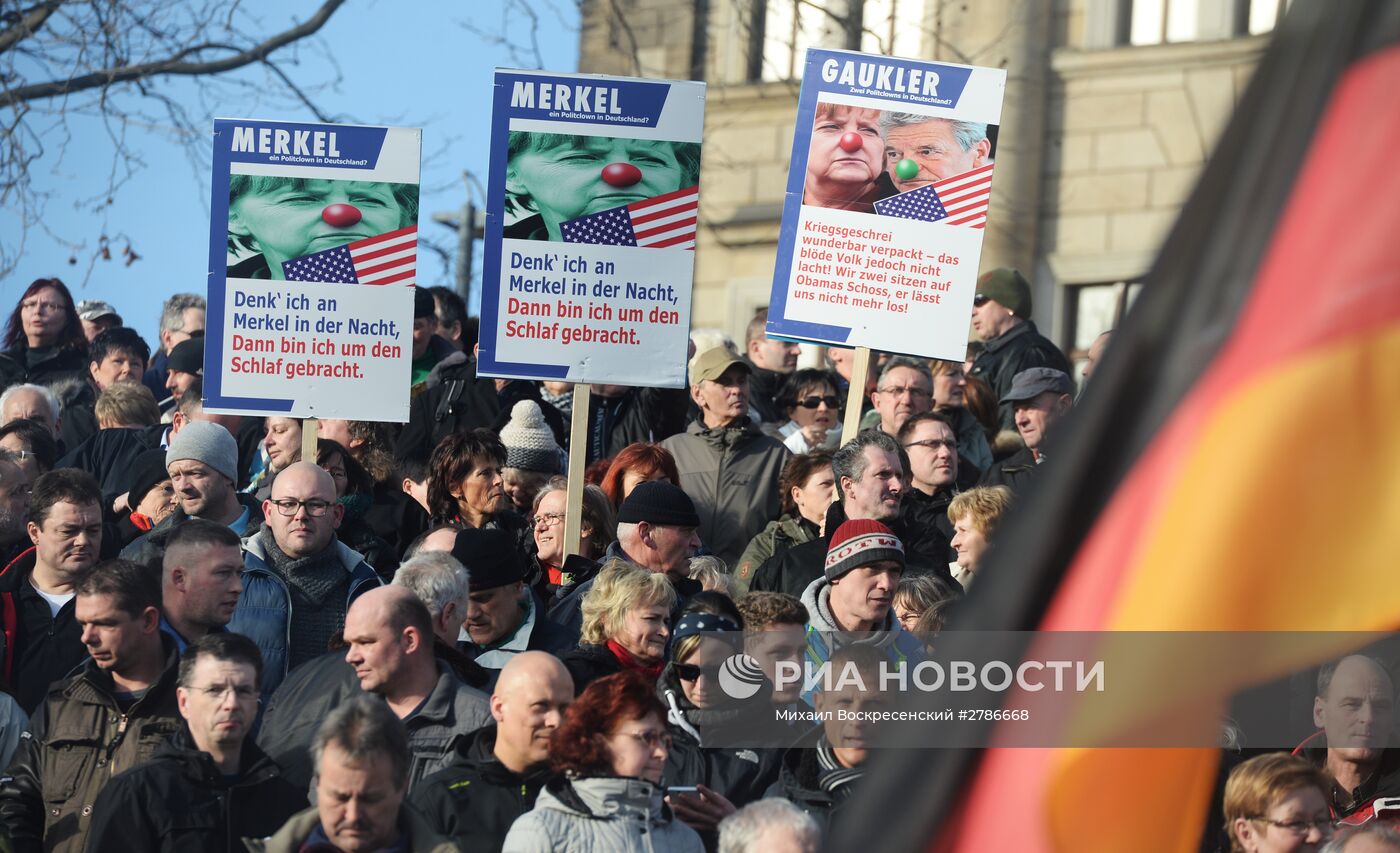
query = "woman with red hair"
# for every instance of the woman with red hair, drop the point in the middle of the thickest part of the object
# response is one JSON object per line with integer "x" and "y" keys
{"x": 609, "y": 752}
{"x": 638, "y": 463}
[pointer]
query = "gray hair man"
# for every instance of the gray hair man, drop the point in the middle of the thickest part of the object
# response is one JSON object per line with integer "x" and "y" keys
{"x": 31, "y": 402}
{"x": 940, "y": 147}
{"x": 1040, "y": 398}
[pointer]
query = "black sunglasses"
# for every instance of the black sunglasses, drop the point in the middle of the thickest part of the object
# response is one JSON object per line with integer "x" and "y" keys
{"x": 814, "y": 401}
{"x": 691, "y": 672}
{"x": 979, "y": 300}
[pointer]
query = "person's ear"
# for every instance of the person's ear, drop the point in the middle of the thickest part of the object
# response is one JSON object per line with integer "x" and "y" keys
{"x": 337, "y": 515}
{"x": 1317, "y": 709}
{"x": 236, "y": 226}
{"x": 981, "y": 152}
{"x": 33, "y": 530}
{"x": 408, "y": 486}
{"x": 497, "y": 708}
{"x": 92, "y": 370}
{"x": 150, "y": 620}
{"x": 177, "y": 577}
{"x": 695, "y": 395}
{"x": 516, "y": 187}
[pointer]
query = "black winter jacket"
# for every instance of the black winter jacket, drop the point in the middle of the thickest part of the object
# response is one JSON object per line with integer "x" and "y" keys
{"x": 926, "y": 552}
{"x": 456, "y": 400}
{"x": 180, "y": 801}
{"x": 476, "y": 798}
{"x": 1008, "y": 354}
{"x": 58, "y": 366}
{"x": 36, "y": 647}
{"x": 108, "y": 456}
{"x": 1015, "y": 471}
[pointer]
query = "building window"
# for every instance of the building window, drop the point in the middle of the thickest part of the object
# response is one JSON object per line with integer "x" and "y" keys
{"x": 1092, "y": 309}
{"x": 1144, "y": 22}
{"x": 781, "y": 31}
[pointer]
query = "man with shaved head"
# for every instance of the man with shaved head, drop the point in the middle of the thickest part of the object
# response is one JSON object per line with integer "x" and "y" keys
{"x": 298, "y": 579}
{"x": 497, "y": 772}
{"x": 389, "y": 652}
{"x": 1354, "y": 708}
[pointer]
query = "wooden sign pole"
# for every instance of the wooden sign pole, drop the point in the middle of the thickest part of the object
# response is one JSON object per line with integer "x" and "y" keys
{"x": 308, "y": 440}
{"x": 855, "y": 397}
{"x": 578, "y": 461}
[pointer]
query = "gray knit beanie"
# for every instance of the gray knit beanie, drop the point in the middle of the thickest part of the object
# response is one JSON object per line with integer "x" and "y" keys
{"x": 205, "y": 442}
{"x": 530, "y": 444}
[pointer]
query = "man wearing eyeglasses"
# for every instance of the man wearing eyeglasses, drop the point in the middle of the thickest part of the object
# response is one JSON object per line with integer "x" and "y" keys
{"x": 298, "y": 579}
{"x": 109, "y": 717}
{"x": 932, "y": 446}
{"x": 210, "y": 782}
{"x": 1001, "y": 317}
{"x": 905, "y": 389}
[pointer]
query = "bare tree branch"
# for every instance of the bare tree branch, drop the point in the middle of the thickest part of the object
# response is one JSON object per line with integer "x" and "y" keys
{"x": 174, "y": 65}
{"x": 30, "y": 20}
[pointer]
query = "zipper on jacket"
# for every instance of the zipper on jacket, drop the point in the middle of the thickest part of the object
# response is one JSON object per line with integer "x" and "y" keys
{"x": 115, "y": 743}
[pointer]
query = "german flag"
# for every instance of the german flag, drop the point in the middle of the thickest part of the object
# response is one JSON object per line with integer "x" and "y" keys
{"x": 1234, "y": 465}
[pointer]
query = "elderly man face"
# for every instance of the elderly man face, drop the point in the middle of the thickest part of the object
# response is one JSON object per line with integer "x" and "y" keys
{"x": 935, "y": 148}
{"x": 302, "y": 511}
{"x": 29, "y": 404}
{"x": 903, "y": 393}
{"x": 1357, "y": 712}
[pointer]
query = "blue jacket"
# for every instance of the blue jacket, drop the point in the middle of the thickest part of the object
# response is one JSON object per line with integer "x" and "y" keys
{"x": 264, "y": 610}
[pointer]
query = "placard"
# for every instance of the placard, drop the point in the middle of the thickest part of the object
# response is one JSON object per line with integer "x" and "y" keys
{"x": 887, "y": 202}
{"x": 592, "y": 209}
{"x": 313, "y": 238}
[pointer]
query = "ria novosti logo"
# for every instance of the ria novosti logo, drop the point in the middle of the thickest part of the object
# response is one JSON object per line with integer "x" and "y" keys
{"x": 740, "y": 676}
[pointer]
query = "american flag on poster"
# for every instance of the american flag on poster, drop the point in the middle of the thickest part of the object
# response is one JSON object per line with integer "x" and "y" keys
{"x": 664, "y": 222}
{"x": 385, "y": 259}
{"x": 959, "y": 200}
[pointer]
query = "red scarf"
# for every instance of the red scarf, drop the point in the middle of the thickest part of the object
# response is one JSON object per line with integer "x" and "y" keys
{"x": 624, "y": 657}
{"x": 141, "y": 522}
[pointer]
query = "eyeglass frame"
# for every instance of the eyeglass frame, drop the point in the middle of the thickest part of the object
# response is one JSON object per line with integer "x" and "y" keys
{"x": 549, "y": 518}
{"x": 1326, "y": 825}
{"x": 693, "y": 671}
{"x": 298, "y": 505}
{"x": 934, "y": 443}
{"x": 217, "y": 692}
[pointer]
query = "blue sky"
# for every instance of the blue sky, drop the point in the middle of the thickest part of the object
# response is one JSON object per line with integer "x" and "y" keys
{"x": 415, "y": 64}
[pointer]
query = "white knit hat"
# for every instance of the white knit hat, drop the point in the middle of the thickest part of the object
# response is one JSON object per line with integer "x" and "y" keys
{"x": 529, "y": 442}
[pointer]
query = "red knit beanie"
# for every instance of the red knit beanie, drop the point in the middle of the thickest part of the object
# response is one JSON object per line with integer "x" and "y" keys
{"x": 860, "y": 542}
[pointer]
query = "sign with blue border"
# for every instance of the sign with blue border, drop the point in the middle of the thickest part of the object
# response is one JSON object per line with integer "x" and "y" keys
{"x": 888, "y": 195}
{"x": 312, "y": 267}
{"x": 591, "y": 218}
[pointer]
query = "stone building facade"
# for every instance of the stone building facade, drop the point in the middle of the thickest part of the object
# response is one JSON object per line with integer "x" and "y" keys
{"x": 1112, "y": 108}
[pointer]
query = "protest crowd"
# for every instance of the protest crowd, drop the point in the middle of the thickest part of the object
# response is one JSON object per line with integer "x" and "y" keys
{"x": 213, "y": 643}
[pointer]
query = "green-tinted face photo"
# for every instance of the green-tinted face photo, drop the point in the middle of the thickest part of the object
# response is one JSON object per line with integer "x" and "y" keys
{"x": 287, "y": 218}
{"x": 561, "y": 177}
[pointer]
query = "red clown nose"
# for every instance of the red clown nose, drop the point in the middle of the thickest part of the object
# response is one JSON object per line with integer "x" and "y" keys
{"x": 851, "y": 142}
{"x": 341, "y": 215}
{"x": 621, "y": 174}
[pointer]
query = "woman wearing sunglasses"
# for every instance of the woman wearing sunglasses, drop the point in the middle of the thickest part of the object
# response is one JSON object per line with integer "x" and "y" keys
{"x": 609, "y": 753}
{"x": 808, "y": 399}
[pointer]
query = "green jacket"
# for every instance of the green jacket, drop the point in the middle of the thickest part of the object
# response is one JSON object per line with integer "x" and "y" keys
{"x": 79, "y": 739}
{"x": 779, "y": 535}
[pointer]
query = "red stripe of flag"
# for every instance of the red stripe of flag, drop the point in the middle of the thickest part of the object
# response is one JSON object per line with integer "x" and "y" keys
{"x": 360, "y": 257}
{"x": 391, "y": 235}
{"x": 390, "y": 279}
{"x": 661, "y": 214}
{"x": 688, "y": 224}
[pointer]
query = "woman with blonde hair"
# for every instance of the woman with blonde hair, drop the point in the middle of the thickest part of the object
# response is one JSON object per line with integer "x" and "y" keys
{"x": 1277, "y": 803}
{"x": 975, "y": 514}
{"x": 626, "y": 624}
